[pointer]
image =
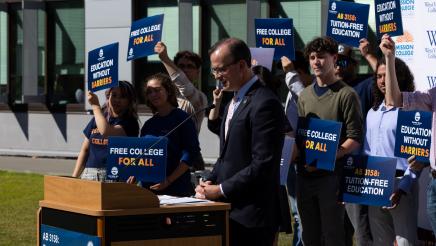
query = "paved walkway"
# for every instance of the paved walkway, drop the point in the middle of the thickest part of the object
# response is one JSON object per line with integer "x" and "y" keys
{"x": 37, "y": 165}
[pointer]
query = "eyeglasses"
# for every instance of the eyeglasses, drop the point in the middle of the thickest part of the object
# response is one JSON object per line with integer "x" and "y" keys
{"x": 217, "y": 71}
{"x": 186, "y": 66}
{"x": 150, "y": 90}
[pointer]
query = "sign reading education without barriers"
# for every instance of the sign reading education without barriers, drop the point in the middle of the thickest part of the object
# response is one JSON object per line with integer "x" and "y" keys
{"x": 347, "y": 22}
{"x": 103, "y": 67}
{"x": 388, "y": 18}
{"x": 413, "y": 135}
{"x": 318, "y": 140}
{"x": 368, "y": 180}
{"x": 145, "y": 158}
{"x": 144, "y": 35}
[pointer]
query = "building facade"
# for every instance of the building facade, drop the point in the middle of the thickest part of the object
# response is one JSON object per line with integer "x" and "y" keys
{"x": 43, "y": 57}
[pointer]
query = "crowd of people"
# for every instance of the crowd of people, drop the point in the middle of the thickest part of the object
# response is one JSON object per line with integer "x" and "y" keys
{"x": 322, "y": 82}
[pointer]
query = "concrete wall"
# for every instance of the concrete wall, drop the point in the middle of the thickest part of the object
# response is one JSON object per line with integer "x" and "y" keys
{"x": 46, "y": 134}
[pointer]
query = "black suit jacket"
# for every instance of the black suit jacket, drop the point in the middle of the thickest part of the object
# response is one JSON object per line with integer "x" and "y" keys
{"x": 249, "y": 162}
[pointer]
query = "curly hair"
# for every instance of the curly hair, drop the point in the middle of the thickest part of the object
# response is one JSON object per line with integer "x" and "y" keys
{"x": 404, "y": 77}
{"x": 167, "y": 84}
{"x": 127, "y": 91}
{"x": 321, "y": 44}
{"x": 191, "y": 56}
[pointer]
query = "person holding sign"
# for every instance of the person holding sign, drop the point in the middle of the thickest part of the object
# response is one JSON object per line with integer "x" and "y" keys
{"x": 412, "y": 100}
{"x": 118, "y": 117}
{"x": 185, "y": 71}
{"x": 398, "y": 222}
{"x": 183, "y": 145}
{"x": 322, "y": 217}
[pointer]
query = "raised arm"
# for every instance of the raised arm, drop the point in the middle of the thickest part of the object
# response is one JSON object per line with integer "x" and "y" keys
{"x": 364, "y": 48}
{"x": 103, "y": 126}
{"x": 393, "y": 95}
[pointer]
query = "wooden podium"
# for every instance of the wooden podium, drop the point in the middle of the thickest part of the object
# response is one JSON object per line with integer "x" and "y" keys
{"x": 122, "y": 214}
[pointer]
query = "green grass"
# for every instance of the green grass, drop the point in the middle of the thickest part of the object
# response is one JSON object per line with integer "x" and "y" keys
{"x": 19, "y": 197}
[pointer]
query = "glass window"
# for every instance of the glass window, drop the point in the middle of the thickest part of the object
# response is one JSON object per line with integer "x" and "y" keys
{"x": 3, "y": 55}
{"x": 66, "y": 40}
{"x": 306, "y": 16}
{"x": 15, "y": 53}
{"x": 220, "y": 19}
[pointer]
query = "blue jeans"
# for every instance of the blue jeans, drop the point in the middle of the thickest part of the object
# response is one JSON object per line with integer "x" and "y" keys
{"x": 431, "y": 203}
{"x": 296, "y": 226}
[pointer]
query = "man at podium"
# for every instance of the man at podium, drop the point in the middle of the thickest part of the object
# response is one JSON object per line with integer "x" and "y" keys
{"x": 251, "y": 138}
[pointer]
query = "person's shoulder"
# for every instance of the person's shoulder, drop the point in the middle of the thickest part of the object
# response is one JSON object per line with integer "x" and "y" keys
{"x": 179, "y": 113}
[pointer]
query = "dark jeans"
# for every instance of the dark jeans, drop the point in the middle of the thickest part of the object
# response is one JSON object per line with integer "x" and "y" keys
{"x": 241, "y": 235}
{"x": 431, "y": 203}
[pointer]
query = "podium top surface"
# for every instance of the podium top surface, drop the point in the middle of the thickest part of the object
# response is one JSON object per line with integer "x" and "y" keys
{"x": 110, "y": 199}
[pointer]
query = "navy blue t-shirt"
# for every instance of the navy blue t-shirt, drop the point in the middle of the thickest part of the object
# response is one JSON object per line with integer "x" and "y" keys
{"x": 183, "y": 146}
{"x": 98, "y": 152}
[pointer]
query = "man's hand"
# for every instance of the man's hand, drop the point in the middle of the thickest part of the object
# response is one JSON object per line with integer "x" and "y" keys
{"x": 415, "y": 165}
{"x": 199, "y": 190}
{"x": 161, "y": 49}
{"x": 287, "y": 64}
{"x": 212, "y": 192}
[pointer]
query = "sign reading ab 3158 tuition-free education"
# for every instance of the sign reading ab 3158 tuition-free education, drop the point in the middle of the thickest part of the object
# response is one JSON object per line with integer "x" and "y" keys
{"x": 55, "y": 236}
{"x": 318, "y": 140}
{"x": 368, "y": 180}
{"x": 388, "y": 18}
{"x": 275, "y": 33}
{"x": 347, "y": 22}
{"x": 413, "y": 135}
{"x": 144, "y": 35}
{"x": 130, "y": 156}
{"x": 103, "y": 67}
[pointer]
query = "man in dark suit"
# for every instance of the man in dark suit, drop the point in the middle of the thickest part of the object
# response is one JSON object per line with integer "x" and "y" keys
{"x": 246, "y": 173}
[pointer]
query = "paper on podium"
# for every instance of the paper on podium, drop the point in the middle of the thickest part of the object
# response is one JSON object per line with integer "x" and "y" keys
{"x": 172, "y": 200}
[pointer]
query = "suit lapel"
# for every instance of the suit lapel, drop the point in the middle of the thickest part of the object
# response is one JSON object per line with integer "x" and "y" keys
{"x": 244, "y": 103}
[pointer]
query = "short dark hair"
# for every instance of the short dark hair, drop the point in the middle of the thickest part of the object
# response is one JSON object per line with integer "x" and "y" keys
{"x": 404, "y": 77}
{"x": 167, "y": 84}
{"x": 238, "y": 49}
{"x": 196, "y": 59}
{"x": 321, "y": 44}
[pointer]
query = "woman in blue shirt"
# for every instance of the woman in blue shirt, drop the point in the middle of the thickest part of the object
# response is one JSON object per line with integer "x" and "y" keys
{"x": 117, "y": 117}
{"x": 183, "y": 145}
{"x": 398, "y": 222}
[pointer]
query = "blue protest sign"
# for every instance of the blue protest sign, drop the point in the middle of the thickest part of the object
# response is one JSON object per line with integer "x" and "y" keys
{"x": 285, "y": 162}
{"x": 50, "y": 236}
{"x": 413, "y": 135}
{"x": 144, "y": 35}
{"x": 347, "y": 22}
{"x": 103, "y": 67}
{"x": 318, "y": 140}
{"x": 276, "y": 33}
{"x": 145, "y": 158}
{"x": 262, "y": 57}
{"x": 368, "y": 180}
{"x": 388, "y": 18}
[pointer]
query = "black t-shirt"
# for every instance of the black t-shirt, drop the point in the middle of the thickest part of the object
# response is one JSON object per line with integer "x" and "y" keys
{"x": 98, "y": 152}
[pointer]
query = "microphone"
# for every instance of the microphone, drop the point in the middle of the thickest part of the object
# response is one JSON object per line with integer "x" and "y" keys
{"x": 209, "y": 107}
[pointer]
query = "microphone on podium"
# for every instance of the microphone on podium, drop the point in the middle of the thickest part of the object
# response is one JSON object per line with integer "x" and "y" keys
{"x": 209, "y": 107}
